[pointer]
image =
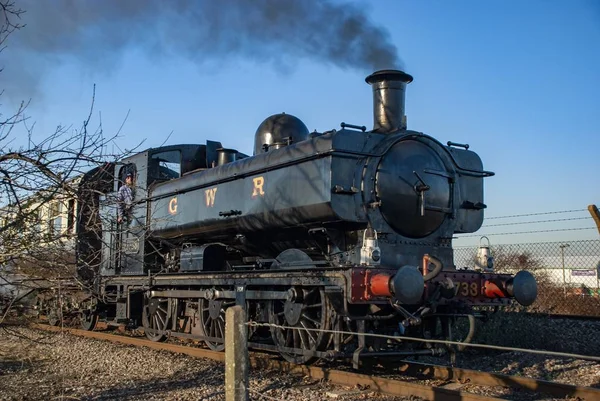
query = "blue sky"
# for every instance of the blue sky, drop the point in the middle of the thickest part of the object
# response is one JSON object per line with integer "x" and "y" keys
{"x": 519, "y": 81}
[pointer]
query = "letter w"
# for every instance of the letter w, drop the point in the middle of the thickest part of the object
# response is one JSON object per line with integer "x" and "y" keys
{"x": 210, "y": 195}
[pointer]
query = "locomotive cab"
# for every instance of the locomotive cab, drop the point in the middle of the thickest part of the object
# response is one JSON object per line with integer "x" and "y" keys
{"x": 124, "y": 248}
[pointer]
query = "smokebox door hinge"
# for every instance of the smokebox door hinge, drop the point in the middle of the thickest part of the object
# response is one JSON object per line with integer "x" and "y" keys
{"x": 473, "y": 206}
{"x": 339, "y": 189}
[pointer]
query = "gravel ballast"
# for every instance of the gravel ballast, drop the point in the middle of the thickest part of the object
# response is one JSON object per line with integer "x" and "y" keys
{"x": 37, "y": 365}
{"x": 40, "y": 365}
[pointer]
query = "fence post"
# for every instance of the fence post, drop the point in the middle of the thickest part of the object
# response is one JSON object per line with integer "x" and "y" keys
{"x": 236, "y": 354}
{"x": 595, "y": 215}
{"x": 562, "y": 254}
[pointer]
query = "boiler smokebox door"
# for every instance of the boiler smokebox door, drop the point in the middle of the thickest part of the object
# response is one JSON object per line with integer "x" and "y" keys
{"x": 413, "y": 186}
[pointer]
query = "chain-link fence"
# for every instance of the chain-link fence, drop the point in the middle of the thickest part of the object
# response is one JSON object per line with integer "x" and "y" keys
{"x": 567, "y": 272}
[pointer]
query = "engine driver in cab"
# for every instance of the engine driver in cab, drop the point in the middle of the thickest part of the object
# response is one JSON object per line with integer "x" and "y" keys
{"x": 125, "y": 199}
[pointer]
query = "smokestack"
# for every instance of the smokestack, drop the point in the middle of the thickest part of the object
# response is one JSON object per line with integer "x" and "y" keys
{"x": 389, "y": 87}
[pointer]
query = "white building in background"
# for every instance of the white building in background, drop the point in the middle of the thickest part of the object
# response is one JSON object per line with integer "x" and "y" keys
{"x": 48, "y": 221}
{"x": 577, "y": 270}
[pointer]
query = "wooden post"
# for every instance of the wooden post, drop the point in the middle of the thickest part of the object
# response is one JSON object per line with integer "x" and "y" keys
{"x": 236, "y": 354}
{"x": 595, "y": 215}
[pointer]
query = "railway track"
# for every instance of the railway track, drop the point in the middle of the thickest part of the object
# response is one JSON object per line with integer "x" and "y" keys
{"x": 453, "y": 379}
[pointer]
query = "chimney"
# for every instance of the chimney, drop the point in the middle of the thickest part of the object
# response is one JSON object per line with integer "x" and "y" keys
{"x": 389, "y": 87}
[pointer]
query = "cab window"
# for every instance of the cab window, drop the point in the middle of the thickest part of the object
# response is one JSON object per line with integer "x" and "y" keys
{"x": 167, "y": 165}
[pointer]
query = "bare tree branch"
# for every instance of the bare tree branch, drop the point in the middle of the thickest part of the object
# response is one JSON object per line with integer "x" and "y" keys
{"x": 39, "y": 186}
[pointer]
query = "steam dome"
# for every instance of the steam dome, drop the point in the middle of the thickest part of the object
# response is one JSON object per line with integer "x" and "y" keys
{"x": 277, "y": 131}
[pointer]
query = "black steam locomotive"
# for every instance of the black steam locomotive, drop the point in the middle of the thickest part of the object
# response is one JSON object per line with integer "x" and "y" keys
{"x": 347, "y": 231}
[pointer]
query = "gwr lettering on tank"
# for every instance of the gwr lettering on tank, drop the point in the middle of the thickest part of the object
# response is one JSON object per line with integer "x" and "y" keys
{"x": 210, "y": 195}
{"x": 258, "y": 186}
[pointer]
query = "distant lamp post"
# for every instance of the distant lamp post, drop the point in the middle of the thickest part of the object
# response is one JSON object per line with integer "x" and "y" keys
{"x": 562, "y": 254}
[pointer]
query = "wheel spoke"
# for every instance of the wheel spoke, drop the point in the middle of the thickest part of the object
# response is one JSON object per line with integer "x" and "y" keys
{"x": 294, "y": 338}
{"x": 310, "y": 334}
{"x": 315, "y": 322}
{"x": 299, "y": 340}
{"x": 221, "y": 331}
{"x": 163, "y": 321}
{"x": 303, "y": 341}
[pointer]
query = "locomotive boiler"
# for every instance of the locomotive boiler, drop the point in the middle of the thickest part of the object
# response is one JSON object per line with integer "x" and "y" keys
{"x": 346, "y": 230}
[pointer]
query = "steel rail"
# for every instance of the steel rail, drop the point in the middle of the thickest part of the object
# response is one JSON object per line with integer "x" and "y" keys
{"x": 383, "y": 385}
{"x": 477, "y": 377}
{"x": 540, "y": 315}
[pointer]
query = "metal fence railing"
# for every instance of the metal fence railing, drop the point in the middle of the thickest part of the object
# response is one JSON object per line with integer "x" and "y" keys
{"x": 567, "y": 272}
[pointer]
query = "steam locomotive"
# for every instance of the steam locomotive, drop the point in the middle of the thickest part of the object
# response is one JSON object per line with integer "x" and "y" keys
{"x": 322, "y": 237}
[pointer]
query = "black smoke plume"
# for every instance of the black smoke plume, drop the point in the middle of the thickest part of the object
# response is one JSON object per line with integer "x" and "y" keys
{"x": 97, "y": 33}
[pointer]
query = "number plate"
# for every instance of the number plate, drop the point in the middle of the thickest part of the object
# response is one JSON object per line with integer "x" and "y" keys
{"x": 467, "y": 289}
